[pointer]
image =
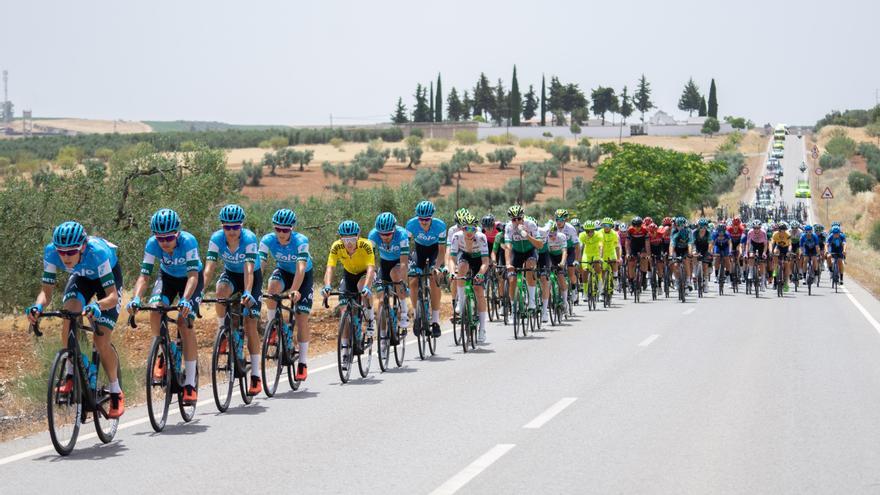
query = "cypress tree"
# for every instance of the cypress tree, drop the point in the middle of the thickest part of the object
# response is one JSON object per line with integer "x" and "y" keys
{"x": 515, "y": 100}
{"x": 438, "y": 104}
{"x": 702, "y": 111}
{"x": 543, "y": 99}
{"x": 431, "y": 104}
{"x": 712, "y": 109}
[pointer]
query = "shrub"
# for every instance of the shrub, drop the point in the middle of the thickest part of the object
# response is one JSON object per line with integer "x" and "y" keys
{"x": 505, "y": 139}
{"x": 529, "y": 142}
{"x": 502, "y": 156}
{"x": 427, "y": 182}
{"x": 841, "y": 144}
{"x": 874, "y": 235}
{"x": 830, "y": 161}
{"x": 466, "y": 138}
{"x": 417, "y": 132}
{"x": 575, "y": 128}
{"x": 547, "y": 134}
{"x": 584, "y": 141}
{"x": 608, "y": 148}
{"x": 336, "y": 142}
{"x": 860, "y": 182}
{"x": 438, "y": 144}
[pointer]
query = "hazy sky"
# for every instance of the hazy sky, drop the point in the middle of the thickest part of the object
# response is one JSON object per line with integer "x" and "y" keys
{"x": 296, "y": 62}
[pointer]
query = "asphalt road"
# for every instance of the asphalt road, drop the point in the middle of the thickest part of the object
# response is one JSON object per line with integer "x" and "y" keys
{"x": 727, "y": 394}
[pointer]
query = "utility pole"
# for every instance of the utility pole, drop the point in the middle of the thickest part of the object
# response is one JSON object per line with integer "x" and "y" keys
{"x": 331, "y": 121}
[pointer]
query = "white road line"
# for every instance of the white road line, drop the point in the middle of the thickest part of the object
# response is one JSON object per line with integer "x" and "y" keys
{"x": 473, "y": 469}
{"x": 689, "y": 311}
{"x": 862, "y": 310}
{"x": 122, "y": 426}
{"x": 550, "y": 413}
{"x": 647, "y": 342}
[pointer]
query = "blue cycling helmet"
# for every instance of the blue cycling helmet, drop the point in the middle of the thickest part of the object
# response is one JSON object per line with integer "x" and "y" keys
{"x": 835, "y": 229}
{"x": 703, "y": 222}
{"x": 284, "y": 218}
{"x": 835, "y": 223}
{"x": 349, "y": 228}
{"x": 165, "y": 221}
{"x": 231, "y": 214}
{"x": 68, "y": 234}
{"x": 385, "y": 222}
{"x": 808, "y": 228}
{"x": 425, "y": 209}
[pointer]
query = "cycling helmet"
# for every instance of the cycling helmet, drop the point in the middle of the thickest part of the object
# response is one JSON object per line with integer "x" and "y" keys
{"x": 515, "y": 211}
{"x": 562, "y": 213}
{"x": 756, "y": 224}
{"x": 720, "y": 227}
{"x": 349, "y": 228}
{"x": 231, "y": 214}
{"x": 795, "y": 224}
{"x": 692, "y": 226}
{"x": 819, "y": 227}
{"x": 667, "y": 221}
{"x": 487, "y": 222}
{"x": 385, "y": 222}
{"x": 652, "y": 226}
{"x": 835, "y": 223}
{"x": 575, "y": 222}
{"x": 460, "y": 215}
{"x": 68, "y": 234}
{"x": 711, "y": 225}
{"x": 680, "y": 221}
{"x": 499, "y": 226}
{"x": 164, "y": 221}
{"x": 284, "y": 217}
{"x": 649, "y": 220}
{"x": 703, "y": 223}
{"x": 636, "y": 221}
{"x": 469, "y": 219}
{"x": 808, "y": 228}
{"x": 589, "y": 225}
{"x": 835, "y": 229}
{"x": 531, "y": 219}
{"x": 425, "y": 209}
{"x": 608, "y": 221}
{"x": 737, "y": 220}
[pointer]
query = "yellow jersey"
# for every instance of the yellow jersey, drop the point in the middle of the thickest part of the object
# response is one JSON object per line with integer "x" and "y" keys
{"x": 781, "y": 239}
{"x": 356, "y": 263}
{"x": 590, "y": 245}
{"x": 610, "y": 243}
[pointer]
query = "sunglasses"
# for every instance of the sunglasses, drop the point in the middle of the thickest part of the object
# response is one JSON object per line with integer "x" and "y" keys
{"x": 386, "y": 234}
{"x": 517, "y": 219}
{"x": 469, "y": 228}
{"x": 425, "y": 219}
{"x": 68, "y": 252}
{"x": 349, "y": 240}
{"x": 282, "y": 230}
{"x": 232, "y": 227}
{"x": 166, "y": 238}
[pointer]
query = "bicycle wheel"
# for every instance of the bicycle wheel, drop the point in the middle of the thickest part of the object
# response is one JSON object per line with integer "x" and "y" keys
{"x": 420, "y": 323}
{"x": 463, "y": 328}
{"x": 63, "y": 410}
{"x": 472, "y": 329}
{"x": 188, "y": 412}
{"x": 383, "y": 328}
{"x": 366, "y": 357}
{"x": 552, "y": 309}
{"x": 456, "y": 322}
{"x": 514, "y": 312}
{"x": 432, "y": 341}
{"x": 222, "y": 369}
{"x": 491, "y": 298}
{"x": 270, "y": 360}
{"x": 105, "y": 426}
{"x": 158, "y": 388}
{"x": 400, "y": 348}
{"x": 344, "y": 350}
{"x": 294, "y": 359}
{"x": 244, "y": 375}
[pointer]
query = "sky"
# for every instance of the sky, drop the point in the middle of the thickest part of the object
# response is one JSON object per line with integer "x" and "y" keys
{"x": 298, "y": 62}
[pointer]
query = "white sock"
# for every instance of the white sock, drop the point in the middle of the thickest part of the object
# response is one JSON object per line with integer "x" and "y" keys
{"x": 220, "y": 321}
{"x": 190, "y": 373}
{"x": 546, "y": 304}
{"x": 344, "y": 342}
{"x": 69, "y": 367}
{"x": 114, "y": 387}
{"x": 255, "y": 365}
{"x": 270, "y": 314}
{"x": 370, "y": 314}
{"x": 531, "y": 295}
{"x": 403, "y": 310}
{"x": 460, "y": 297}
{"x": 483, "y": 317}
{"x": 565, "y": 295}
{"x": 435, "y": 316}
{"x": 304, "y": 352}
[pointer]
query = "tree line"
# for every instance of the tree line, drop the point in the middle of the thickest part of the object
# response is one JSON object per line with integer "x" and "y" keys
{"x": 566, "y": 102}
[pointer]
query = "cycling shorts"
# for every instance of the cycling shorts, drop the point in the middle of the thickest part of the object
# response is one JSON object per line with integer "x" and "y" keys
{"x": 304, "y": 305}
{"x": 385, "y": 267}
{"x": 84, "y": 289}
{"x": 167, "y": 288}
{"x": 519, "y": 259}
{"x": 474, "y": 263}
{"x": 236, "y": 281}
{"x": 424, "y": 257}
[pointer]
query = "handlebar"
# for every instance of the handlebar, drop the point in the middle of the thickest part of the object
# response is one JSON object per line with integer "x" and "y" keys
{"x": 346, "y": 294}
{"x": 73, "y": 316}
{"x": 164, "y": 310}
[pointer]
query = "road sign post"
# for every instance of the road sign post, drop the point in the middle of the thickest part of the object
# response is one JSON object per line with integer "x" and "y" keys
{"x": 827, "y": 195}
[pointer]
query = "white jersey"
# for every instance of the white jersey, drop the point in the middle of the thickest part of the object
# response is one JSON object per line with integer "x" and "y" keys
{"x": 556, "y": 243}
{"x": 571, "y": 234}
{"x": 518, "y": 236}
{"x": 474, "y": 248}
{"x": 451, "y": 232}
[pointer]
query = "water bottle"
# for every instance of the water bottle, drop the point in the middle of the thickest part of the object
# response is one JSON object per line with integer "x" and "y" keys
{"x": 239, "y": 351}
{"x": 288, "y": 336}
{"x": 93, "y": 376}
{"x": 87, "y": 367}
{"x": 357, "y": 324}
{"x": 175, "y": 355}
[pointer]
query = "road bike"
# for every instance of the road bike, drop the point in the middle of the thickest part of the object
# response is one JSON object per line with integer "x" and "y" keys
{"x": 228, "y": 363}
{"x": 590, "y": 285}
{"x": 280, "y": 348}
{"x": 351, "y": 340}
{"x": 165, "y": 372}
{"x": 779, "y": 276}
{"x": 681, "y": 279}
{"x": 607, "y": 283}
{"x": 422, "y": 316}
{"x": 467, "y": 321}
{"x": 721, "y": 276}
{"x": 67, "y": 410}
{"x": 519, "y": 309}
{"x": 810, "y": 275}
{"x": 557, "y": 304}
{"x": 391, "y": 336}
{"x": 492, "y": 299}
{"x": 835, "y": 271}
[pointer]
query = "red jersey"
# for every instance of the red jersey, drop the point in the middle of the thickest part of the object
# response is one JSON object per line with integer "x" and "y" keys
{"x": 667, "y": 233}
{"x": 655, "y": 238}
{"x": 736, "y": 232}
{"x": 490, "y": 236}
{"x": 637, "y": 233}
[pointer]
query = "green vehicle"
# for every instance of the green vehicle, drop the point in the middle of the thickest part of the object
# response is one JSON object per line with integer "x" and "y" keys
{"x": 803, "y": 189}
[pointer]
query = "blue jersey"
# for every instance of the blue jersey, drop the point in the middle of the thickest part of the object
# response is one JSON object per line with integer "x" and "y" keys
{"x": 286, "y": 256}
{"x": 184, "y": 259}
{"x": 681, "y": 238}
{"x": 836, "y": 243}
{"x": 809, "y": 241}
{"x": 434, "y": 235}
{"x": 97, "y": 262}
{"x": 398, "y": 245}
{"x": 234, "y": 261}
{"x": 721, "y": 239}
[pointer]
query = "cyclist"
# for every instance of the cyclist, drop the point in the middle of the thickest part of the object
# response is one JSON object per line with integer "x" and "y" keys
{"x": 721, "y": 244}
{"x": 701, "y": 237}
{"x": 392, "y": 242}
{"x": 572, "y": 248}
{"x": 810, "y": 248}
{"x": 680, "y": 246}
{"x": 611, "y": 250}
{"x": 459, "y": 217}
{"x": 293, "y": 272}
{"x": 94, "y": 271}
{"x": 836, "y": 249}
{"x": 496, "y": 253}
{"x": 795, "y": 232}
{"x": 655, "y": 245}
{"x": 470, "y": 249}
{"x": 521, "y": 243}
{"x": 636, "y": 248}
{"x": 737, "y": 231}
{"x": 358, "y": 269}
{"x": 237, "y": 247}
{"x": 181, "y": 277}
{"x": 591, "y": 250}
{"x": 553, "y": 254}
{"x": 781, "y": 243}
{"x": 757, "y": 246}
{"x": 429, "y": 243}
